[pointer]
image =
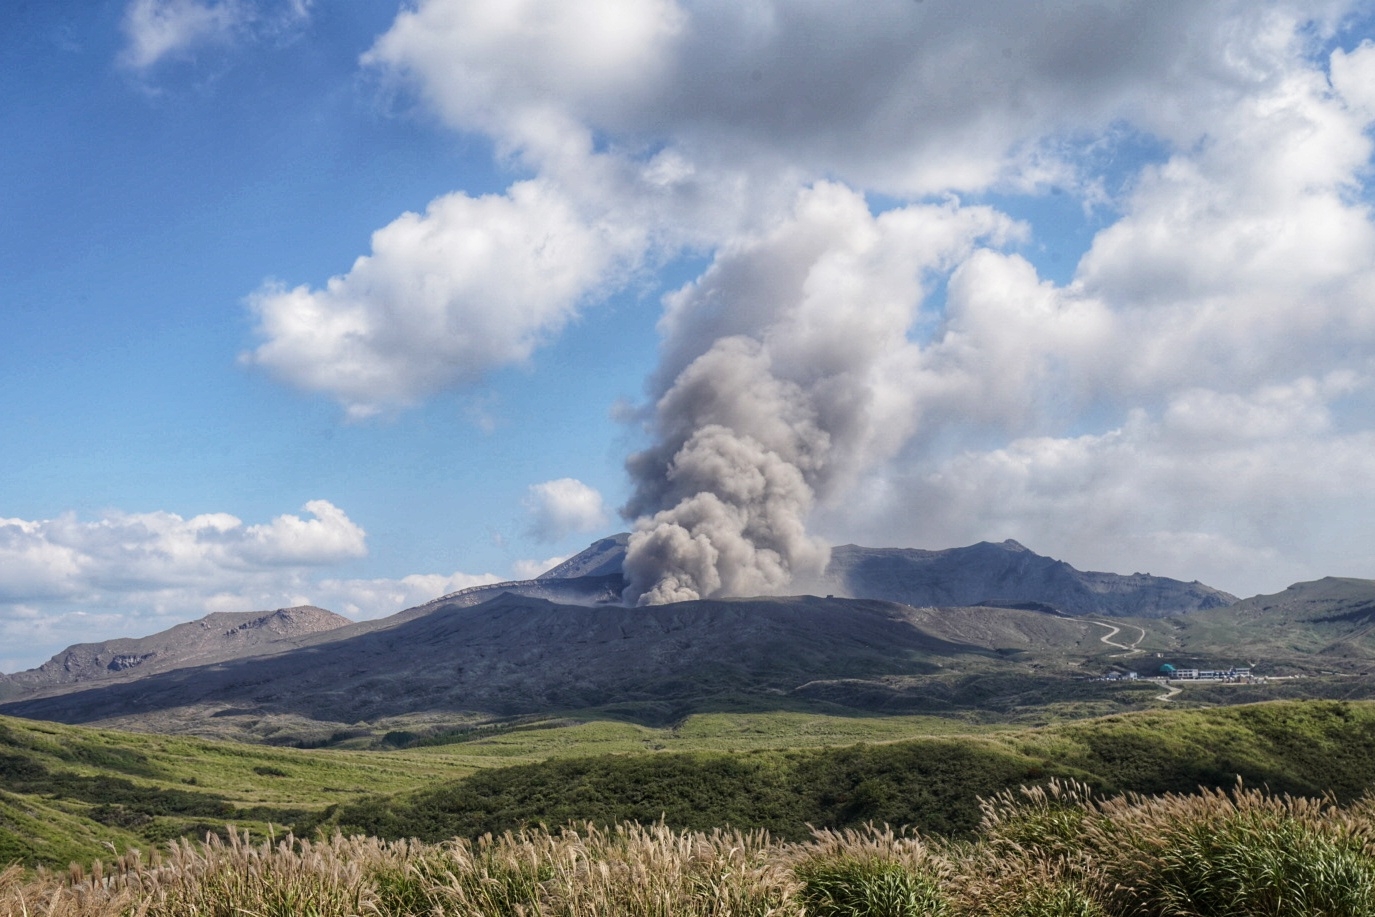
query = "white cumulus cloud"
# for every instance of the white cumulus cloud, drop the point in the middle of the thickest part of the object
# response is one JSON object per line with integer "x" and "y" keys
{"x": 70, "y": 557}
{"x": 132, "y": 574}
{"x": 563, "y": 507}
{"x": 868, "y": 354}
{"x": 445, "y": 296}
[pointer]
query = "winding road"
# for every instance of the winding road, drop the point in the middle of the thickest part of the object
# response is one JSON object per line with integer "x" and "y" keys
{"x": 1113, "y": 631}
{"x": 1170, "y": 692}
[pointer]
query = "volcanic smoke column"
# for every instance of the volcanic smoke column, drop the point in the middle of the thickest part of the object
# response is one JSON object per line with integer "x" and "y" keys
{"x": 791, "y": 369}
{"x": 734, "y": 462}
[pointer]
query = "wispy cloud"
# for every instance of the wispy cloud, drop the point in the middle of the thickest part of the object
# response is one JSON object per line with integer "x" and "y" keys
{"x": 160, "y": 30}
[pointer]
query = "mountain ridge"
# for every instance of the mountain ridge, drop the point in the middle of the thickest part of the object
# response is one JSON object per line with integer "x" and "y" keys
{"x": 216, "y": 637}
{"x": 989, "y": 573}
{"x": 1005, "y": 574}
{"x": 985, "y": 573}
{"x": 516, "y": 655}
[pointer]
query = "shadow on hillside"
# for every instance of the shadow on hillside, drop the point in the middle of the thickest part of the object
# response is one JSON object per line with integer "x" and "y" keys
{"x": 518, "y": 655}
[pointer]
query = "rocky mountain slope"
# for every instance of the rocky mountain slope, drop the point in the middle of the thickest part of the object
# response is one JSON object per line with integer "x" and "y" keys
{"x": 603, "y": 557}
{"x": 590, "y": 577}
{"x": 213, "y": 638}
{"x": 515, "y": 655}
{"x": 1009, "y": 574}
{"x": 984, "y": 574}
{"x": 1005, "y": 574}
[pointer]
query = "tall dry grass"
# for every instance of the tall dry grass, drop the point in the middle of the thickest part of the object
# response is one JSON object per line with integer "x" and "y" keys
{"x": 1053, "y": 851}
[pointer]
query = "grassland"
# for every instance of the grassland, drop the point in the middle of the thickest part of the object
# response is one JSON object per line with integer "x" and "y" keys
{"x": 1058, "y": 851}
{"x": 71, "y": 793}
{"x": 932, "y": 782}
{"x": 66, "y": 792}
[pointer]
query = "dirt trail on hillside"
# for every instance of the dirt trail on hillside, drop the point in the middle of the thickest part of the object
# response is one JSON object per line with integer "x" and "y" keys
{"x": 1113, "y": 631}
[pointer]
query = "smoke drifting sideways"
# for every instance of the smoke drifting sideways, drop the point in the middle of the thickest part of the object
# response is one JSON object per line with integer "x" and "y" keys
{"x": 787, "y": 372}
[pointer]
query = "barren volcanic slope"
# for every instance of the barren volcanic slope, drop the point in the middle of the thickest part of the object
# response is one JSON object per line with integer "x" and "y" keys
{"x": 214, "y": 638}
{"x": 1005, "y": 574}
{"x": 516, "y": 655}
{"x": 1010, "y": 574}
{"x": 591, "y": 577}
{"x": 562, "y": 642}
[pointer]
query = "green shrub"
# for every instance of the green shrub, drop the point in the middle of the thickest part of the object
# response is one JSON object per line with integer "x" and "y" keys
{"x": 1058, "y": 899}
{"x": 1043, "y": 821}
{"x": 1256, "y": 866}
{"x": 848, "y": 887}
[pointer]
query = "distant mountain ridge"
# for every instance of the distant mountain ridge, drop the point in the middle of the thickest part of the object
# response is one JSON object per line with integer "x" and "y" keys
{"x": 987, "y": 573}
{"x": 214, "y": 638}
{"x": 1004, "y": 574}
{"x": 515, "y": 655}
{"x": 922, "y": 592}
{"x": 1009, "y": 574}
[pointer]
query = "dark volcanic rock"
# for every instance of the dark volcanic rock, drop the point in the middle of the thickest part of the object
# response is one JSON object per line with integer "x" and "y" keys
{"x": 563, "y": 641}
{"x": 591, "y": 577}
{"x": 574, "y": 590}
{"x": 515, "y": 654}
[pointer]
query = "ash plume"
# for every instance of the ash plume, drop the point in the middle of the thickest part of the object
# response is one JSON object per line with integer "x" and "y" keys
{"x": 737, "y": 454}
{"x": 787, "y": 374}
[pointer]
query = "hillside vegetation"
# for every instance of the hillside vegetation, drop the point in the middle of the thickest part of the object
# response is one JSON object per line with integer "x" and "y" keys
{"x": 1058, "y": 851}
{"x": 931, "y": 783}
{"x": 66, "y": 792}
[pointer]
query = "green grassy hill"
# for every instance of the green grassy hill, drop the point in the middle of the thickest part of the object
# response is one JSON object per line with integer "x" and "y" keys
{"x": 67, "y": 792}
{"x": 1327, "y": 625}
{"x": 932, "y": 783}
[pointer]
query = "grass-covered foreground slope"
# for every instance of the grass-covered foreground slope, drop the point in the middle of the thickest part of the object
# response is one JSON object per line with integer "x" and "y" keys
{"x": 932, "y": 783}
{"x": 1054, "y": 852}
{"x": 67, "y": 792}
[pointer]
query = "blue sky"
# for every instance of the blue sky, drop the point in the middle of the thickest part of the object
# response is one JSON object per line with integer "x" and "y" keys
{"x": 1092, "y": 276}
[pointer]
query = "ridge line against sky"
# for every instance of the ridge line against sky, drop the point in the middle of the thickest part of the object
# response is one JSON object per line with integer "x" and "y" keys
{"x": 307, "y": 301}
